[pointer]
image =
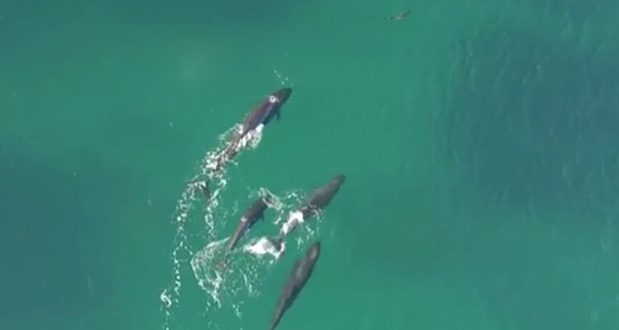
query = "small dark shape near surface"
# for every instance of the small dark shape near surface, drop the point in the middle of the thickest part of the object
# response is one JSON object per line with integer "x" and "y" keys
{"x": 399, "y": 16}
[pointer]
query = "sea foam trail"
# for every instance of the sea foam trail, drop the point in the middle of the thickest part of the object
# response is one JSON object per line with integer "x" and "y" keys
{"x": 228, "y": 289}
{"x": 242, "y": 276}
{"x": 212, "y": 169}
{"x": 182, "y": 251}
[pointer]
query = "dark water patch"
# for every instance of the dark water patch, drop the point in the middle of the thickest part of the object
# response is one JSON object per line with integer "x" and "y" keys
{"x": 525, "y": 271}
{"x": 397, "y": 224}
{"x": 54, "y": 243}
{"x": 536, "y": 277}
{"x": 524, "y": 275}
{"x": 575, "y": 9}
{"x": 534, "y": 120}
{"x": 43, "y": 247}
{"x": 547, "y": 276}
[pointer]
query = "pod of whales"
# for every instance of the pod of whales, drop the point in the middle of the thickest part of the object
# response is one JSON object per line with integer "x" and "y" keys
{"x": 253, "y": 123}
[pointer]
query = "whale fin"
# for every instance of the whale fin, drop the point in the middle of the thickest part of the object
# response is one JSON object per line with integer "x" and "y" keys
{"x": 277, "y": 115}
{"x": 276, "y": 241}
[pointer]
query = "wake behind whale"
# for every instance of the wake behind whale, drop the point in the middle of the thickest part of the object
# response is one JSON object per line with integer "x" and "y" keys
{"x": 242, "y": 275}
{"x": 183, "y": 250}
{"x": 208, "y": 184}
{"x": 246, "y": 260}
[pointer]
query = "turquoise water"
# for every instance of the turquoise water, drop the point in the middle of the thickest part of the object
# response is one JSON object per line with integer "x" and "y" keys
{"x": 479, "y": 139}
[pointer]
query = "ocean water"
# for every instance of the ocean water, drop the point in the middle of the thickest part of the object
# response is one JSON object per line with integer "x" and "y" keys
{"x": 480, "y": 140}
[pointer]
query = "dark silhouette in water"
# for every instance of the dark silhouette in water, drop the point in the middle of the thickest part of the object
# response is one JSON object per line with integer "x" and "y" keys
{"x": 301, "y": 272}
{"x": 399, "y": 16}
{"x": 534, "y": 121}
{"x": 319, "y": 199}
{"x": 262, "y": 114}
{"x": 249, "y": 218}
{"x": 254, "y": 213}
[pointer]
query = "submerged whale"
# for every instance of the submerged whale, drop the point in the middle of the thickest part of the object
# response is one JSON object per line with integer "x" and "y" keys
{"x": 297, "y": 279}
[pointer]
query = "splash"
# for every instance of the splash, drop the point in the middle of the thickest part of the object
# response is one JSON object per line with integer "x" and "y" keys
{"x": 212, "y": 175}
{"x": 244, "y": 276}
{"x": 263, "y": 246}
{"x": 296, "y": 219}
{"x": 227, "y": 287}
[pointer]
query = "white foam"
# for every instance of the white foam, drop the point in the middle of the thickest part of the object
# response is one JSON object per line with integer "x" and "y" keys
{"x": 182, "y": 251}
{"x": 208, "y": 279}
{"x": 226, "y": 287}
{"x": 264, "y": 246}
{"x": 251, "y": 139}
{"x": 295, "y": 219}
{"x": 244, "y": 277}
{"x": 165, "y": 298}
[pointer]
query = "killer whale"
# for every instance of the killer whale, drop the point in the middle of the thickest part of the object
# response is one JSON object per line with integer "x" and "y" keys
{"x": 319, "y": 199}
{"x": 254, "y": 213}
{"x": 301, "y": 272}
{"x": 255, "y": 120}
{"x": 266, "y": 110}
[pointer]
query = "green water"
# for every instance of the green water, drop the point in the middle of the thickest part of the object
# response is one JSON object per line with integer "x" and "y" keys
{"x": 479, "y": 139}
